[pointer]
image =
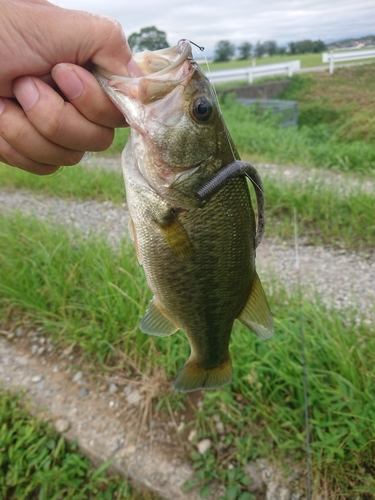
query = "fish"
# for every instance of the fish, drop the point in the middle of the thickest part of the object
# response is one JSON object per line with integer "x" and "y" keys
{"x": 198, "y": 253}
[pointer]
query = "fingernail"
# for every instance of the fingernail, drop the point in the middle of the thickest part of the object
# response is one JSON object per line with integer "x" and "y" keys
{"x": 26, "y": 92}
{"x": 133, "y": 69}
{"x": 2, "y": 105}
{"x": 68, "y": 81}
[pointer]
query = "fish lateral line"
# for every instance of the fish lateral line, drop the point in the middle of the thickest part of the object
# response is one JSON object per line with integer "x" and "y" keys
{"x": 228, "y": 173}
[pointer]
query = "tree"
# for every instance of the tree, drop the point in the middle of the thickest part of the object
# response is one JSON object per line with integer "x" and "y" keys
{"x": 259, "y": 50}
{"x": 319, "y": 46}
{"x": 245, "y": 50}
{"x": 148, "y": 38}
{"x": 270, "y": 47}
{"x": 307, "y": 46}
{"x": 224, "y": 50}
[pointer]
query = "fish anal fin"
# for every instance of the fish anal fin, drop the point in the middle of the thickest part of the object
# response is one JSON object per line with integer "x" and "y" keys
{"x": 192, "y": 377}
{"x": 256, "y": 314}
{"x": 156, "y": 322}
{"x": 176, "y": 236}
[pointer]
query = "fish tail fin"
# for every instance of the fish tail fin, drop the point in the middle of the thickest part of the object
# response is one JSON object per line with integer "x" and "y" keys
{"x": 192, "y": 377}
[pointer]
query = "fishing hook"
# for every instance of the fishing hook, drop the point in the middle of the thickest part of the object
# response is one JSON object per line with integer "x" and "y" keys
{"x": 225, "y": 175}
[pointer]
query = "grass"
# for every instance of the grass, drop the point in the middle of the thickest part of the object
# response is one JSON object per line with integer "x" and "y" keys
{"x": 325, "y": 217}
{"x": 69, "y": 182}
{"x": 258, "y": 135}
{"x": 35, "y": 462}
{"x": 63, "y": 283}
{"x": 344, "y": 101}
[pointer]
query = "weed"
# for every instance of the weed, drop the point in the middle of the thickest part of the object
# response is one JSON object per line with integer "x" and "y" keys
{"x": 35, "y": 462}
{"x": 69, "y": 182}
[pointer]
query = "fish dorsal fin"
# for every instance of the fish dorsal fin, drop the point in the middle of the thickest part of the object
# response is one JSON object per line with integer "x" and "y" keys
{"x": 256, "y": 314}
{"x": 156, "y": 322}
{"x": 176, "y": 236}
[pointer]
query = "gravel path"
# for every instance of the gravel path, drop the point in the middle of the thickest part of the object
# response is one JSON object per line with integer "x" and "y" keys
{"x": 340, "y": 278}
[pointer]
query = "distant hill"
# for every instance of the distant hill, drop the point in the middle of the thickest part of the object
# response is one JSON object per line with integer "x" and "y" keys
{"x": 353, "y": 43}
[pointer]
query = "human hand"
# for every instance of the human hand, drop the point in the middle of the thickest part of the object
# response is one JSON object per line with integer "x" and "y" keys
{"x": 39, "y": 130}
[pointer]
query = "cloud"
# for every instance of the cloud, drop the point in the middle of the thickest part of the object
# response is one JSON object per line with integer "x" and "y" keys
{"x": 207, "y": 22}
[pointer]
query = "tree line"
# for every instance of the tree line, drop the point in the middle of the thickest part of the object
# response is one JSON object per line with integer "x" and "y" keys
{"x": 153, "y": 39}
{"x": 225, "y": 50}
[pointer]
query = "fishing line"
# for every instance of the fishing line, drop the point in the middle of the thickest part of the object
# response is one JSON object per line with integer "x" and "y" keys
{"x": 304, "y": 364}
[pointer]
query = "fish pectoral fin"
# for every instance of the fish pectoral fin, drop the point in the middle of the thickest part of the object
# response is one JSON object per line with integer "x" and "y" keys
{"x": 156, "y": 322}
{"x": 176, "y": 236}
{"x": 256, "y": 314}
{"x": 192, "y": 376}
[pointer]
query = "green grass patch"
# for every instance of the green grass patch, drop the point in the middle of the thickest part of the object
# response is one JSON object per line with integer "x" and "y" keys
{"x": 344, "y": 101}
{"x": 90, "y": 295}
{"x": 55, "y": 277}
{"x": 259, "y": 135}
{"x": 324, "y": 215}
{"x": 119, "y": 141}
{"x": 35, "y": 462}
{"x": 78, "y": 181}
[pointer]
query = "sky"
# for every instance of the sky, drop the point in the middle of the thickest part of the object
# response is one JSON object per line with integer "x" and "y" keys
{"x": 206, "y": 22}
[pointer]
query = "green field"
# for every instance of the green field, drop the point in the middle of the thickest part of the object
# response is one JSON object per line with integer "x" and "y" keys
{"x": 307, "y": 61}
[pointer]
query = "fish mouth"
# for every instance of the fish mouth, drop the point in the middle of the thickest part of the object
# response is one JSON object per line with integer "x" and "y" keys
{"x": 163, "y": 70}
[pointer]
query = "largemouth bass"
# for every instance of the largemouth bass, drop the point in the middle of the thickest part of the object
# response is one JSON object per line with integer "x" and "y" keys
{"x": 198, "y": 255}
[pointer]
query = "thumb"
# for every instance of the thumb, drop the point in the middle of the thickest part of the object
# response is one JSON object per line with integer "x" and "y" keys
{"x": 102, "y": 42}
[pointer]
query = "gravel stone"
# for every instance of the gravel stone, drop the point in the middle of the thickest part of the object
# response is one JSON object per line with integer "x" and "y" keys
{"x": 62, "y": 425}
{"x": 83, "y": 393}
{"x": 220, "y": 427}
{"x": 204, "y": 446}
{"x": 37, "y": 378}
{"x": 78, "y": 376}
{"x": 192, "y": 435}
{"x": 113, "y": 388}
{"x": 134, "y": 398}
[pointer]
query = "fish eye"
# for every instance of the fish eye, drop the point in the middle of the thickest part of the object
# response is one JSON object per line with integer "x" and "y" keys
{"x": 202, "y": 108}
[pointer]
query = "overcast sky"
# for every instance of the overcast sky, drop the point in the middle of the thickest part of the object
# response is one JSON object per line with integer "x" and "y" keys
{"x": 205, "y": 22}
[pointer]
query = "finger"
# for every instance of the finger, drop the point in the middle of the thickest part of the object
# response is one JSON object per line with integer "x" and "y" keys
{"x": 84, "y": 92}
{"x": 59, "y": 121}
{"x": 12, "y": 157}
{"x": 20, "y": 135}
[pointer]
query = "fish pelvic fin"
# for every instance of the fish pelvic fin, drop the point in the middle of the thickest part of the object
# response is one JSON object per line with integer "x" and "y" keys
{"x": 256, "y": 314}
{"x": 192, "y": 377}
{"x": 156, "y": 322}
{"x": 176, "y": 236}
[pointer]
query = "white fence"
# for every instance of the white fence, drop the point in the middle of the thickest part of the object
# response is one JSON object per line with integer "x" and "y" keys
{"x": 251, "y": 72}
{"x": 350, "y": 55}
